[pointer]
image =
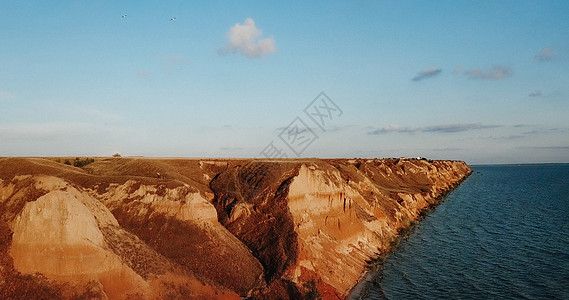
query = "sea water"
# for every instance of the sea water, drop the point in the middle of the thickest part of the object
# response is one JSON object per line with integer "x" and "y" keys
{"x": 502, "y": 234}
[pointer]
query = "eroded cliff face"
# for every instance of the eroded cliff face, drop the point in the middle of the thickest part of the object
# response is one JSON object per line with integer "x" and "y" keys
{"x": 159, "y": 228}
{"x": 315, "y": 224}
{"x": 115, "y": 236}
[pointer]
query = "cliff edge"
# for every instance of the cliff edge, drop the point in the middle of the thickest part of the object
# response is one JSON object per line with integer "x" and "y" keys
{"x": 119, "y": 228}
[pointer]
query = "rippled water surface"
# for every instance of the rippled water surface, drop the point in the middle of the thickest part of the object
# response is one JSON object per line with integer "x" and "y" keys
{"x": 503, "y": 234}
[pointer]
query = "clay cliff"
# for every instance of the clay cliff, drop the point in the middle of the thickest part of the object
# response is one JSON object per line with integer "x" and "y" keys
{"x": 139, "y": 228}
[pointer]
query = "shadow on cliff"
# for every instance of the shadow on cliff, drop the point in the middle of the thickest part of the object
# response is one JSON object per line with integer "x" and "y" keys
{"x": 251, "y": 203}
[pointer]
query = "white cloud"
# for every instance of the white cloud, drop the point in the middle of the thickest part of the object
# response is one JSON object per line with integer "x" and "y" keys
{"x": 496, "y": 73}
{"x": 245, "y": 39}
{"x": 563, "y": 148}
{"x": 394, "y": 128}
{"x": 545, "y": 54}
{"x": 173, "y": 62}
{"x": 457, "y": 70}
{"x": 444, "y": 128}
{"x": 427, "y": 73}
{"x": 535, "y": 94}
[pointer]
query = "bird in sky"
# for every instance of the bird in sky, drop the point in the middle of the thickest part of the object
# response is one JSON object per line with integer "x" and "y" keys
{"x": 173, "y": 19}
{"x": 124, "y": 16}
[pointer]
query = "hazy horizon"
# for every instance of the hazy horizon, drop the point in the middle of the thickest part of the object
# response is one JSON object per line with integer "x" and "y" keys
{"x": 484, "y": 82}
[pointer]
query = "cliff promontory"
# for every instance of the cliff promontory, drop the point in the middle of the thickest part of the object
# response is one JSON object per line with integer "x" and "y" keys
{"x": 140, "y": 228}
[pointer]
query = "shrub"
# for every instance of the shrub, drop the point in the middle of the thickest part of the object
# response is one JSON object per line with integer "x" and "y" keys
{"x": 82, "y": 162}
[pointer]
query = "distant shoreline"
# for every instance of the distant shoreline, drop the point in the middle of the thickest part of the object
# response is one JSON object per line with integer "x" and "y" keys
{"x": 516, "y": 165}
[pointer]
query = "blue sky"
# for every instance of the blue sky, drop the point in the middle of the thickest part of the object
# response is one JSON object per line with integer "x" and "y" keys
{"x": 480, "y": 81}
